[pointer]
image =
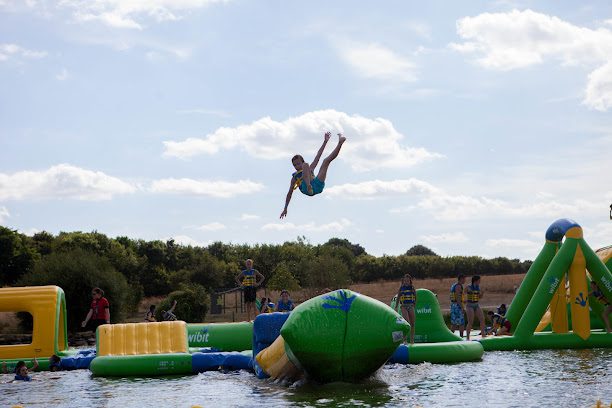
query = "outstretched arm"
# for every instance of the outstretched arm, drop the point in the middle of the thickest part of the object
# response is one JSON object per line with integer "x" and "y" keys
{"x": 288, "y": 198}
{"x": 314, "y": 163}
{"x": 87, "y": 318}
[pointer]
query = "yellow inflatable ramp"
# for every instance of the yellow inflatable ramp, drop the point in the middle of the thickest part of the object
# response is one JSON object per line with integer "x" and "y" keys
{"x": 275, "y": 362}
{"x": 132, "y": 339}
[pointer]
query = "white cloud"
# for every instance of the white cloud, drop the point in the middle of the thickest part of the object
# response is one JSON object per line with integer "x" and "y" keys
{"x": 188, "y": 241}
{"x": 249, "y": 217}
{"x": 218, "y": 189}
{"x": 130, "y": 13}
{"x": 375, "y": 188}
{"x": 371, "y": 143}
{"x": 61, "y": 181}
{"x": 518, "y": 39}
{"x": 62, "y": 76}
{"x": 444, "y": 205}
{"x": 213, "y": 226}
{"x": 598, "y": 93}
{"x": 335, "y": 226}
{"x": 4, "y": 214}
{"x": 447, "y": 237}
{"x": 512, "y": 243}
{"x": 599, "y": 235}
{"x": 374, "y": 61}
{"x": 30, "y": 231}
{"x": 14, "y": 51}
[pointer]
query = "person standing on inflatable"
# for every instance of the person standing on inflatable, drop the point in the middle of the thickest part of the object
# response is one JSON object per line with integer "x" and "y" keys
{"x": 406, "y": 296}
{"x": 457, "y": 310}
{"x": 249, "y": 280}
{"x": 474, "y": 294}
{"x": 304, "y": 177}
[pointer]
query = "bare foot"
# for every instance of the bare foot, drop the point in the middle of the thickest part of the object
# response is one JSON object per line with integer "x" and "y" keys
{"x": 327, "y": 136}
{"x": 341, "y": 138}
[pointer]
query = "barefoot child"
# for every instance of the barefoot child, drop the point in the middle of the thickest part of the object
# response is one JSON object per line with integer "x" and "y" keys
{"x": 457, "y": 310}
{"x": 406, "y": 295}
{"x": 304, "y": 177}
{"x": 474, "y": 294}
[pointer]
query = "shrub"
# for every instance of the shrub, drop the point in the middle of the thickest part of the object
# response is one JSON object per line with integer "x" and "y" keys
{"x": 325, "y": 272}
{"x": 77, "y": 272}
{"x": 192, "y": 304}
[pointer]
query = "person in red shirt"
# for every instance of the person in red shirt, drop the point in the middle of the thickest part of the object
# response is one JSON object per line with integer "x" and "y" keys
{"x": 99, "y": 313}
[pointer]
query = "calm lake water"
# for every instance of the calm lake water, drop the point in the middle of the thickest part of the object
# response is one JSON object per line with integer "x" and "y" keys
{"x": 559, "y": 378}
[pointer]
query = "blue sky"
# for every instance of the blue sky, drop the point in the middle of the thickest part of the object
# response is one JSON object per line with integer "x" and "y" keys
{"x": 471, "y": 127}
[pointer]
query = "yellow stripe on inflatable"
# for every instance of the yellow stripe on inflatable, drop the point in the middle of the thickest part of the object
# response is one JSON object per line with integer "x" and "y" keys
{"x": 579, "y": 296}
{"x": 275, "y": 362}
{"x": 544, "y": 322}
{"x": 142, "y": 338}
{"x": 558, "y": 309}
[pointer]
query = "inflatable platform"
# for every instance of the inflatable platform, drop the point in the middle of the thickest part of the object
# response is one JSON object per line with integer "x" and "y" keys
{"x": 434, "y": 342}
{"x": 566, "y": 264}
{"x": 47, "y": 306}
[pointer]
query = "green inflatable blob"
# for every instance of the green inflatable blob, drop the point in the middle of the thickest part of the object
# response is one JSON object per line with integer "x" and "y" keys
{"x": 222, "y": 336}
{"x": 342, "y": 336}
{"x": 429, "y": 325}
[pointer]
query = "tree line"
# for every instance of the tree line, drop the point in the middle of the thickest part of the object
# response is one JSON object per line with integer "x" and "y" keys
{"x": 128, "y": 269}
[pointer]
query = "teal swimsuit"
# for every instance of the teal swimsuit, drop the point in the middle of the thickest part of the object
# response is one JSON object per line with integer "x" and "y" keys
{"x": 316, "y": 184}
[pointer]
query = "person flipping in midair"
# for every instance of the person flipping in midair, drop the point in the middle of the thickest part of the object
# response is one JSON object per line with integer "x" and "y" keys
{"x": 304, "y": 177}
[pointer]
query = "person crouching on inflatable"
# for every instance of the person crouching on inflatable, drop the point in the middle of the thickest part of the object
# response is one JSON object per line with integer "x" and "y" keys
{"x": 500, "y": 325}
{"x": 304, "y": 177}
{"x": 607, "y": 307}
{"x": 406, "y": 296}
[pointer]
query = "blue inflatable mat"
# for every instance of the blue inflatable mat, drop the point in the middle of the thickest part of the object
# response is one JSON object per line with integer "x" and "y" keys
{"x": 80, "y": 361}
{"x": 266, "y": 328}
{"x": 211, "y": 361}
{"x": 400, "y": 356}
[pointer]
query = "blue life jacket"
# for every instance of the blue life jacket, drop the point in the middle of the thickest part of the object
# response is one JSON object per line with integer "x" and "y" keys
{"x": 285, "y": 307}
{"x": 407, "y": 295}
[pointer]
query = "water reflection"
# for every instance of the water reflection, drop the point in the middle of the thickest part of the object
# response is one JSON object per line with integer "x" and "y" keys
{"x": 521, "y": 379}
{"x": 370, "y": 393}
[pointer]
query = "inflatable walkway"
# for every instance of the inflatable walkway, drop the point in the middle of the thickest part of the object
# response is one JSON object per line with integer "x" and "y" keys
{"x": 434, "y": 342}
{"x": 562, "y": 262}
{"x": 160, "y": 348}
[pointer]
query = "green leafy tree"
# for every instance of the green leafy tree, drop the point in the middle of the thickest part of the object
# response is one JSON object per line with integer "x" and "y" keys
{"x": 283, "y": 279}
{"x": 326, "y": 272}
{"x": 420, "y": 250}
{"x": 77, "y": 272}
{"x": 17, "y": 256}
{"x": 356, "y": 249}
